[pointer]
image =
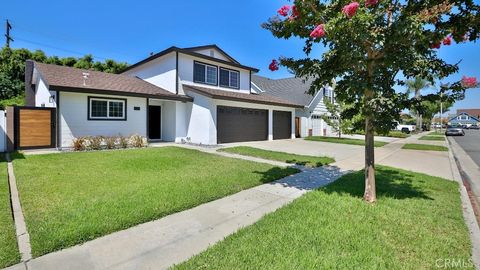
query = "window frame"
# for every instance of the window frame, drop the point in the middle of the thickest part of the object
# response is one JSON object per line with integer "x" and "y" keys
{"x": 206, "y": 73}
{"x": 229, "y": 78}
{"x": 108, "y": 117}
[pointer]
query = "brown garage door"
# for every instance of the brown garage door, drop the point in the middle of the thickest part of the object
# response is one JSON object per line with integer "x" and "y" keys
{"x": 34, "y": 127}
{"x": 282, "y": 125}
{"x": 241, "y": 124}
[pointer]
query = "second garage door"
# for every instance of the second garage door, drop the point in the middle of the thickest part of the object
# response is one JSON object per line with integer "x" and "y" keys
{"x": 282, "y": 125}
{"x": 241, "y": 124}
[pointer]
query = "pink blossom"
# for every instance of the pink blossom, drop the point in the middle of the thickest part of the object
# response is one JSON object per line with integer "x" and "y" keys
{"x": 273, "y": 65}
{"x": 283, "y": 11}
{"x": 435, "y": 45}
{"x": 469, "y": 82}
{"x": 318, "y": 32}
{"x": 350, "y": 9}
{"x": 295, "y": 13}
{"x": 447, "y": 41}
{"x": 369, "y": 3}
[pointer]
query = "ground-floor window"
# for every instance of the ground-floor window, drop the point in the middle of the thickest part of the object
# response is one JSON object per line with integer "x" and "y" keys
{"x": 106, "y": 108}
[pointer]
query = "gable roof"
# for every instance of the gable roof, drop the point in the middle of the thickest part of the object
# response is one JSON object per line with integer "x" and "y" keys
{"x": 472, "y": 112}
{"x": 191, "y": 51}
{"x": 242, "y": 97}
{"x": 463, "y": 113}
{"x": 71, "y": 79}
{"x": 212, "y": 46}
{"x": 292, "y": 89}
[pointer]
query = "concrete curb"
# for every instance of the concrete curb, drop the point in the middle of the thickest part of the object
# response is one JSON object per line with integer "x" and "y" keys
{"x": 468, "y": 214}
{"x": 23, "y": 238}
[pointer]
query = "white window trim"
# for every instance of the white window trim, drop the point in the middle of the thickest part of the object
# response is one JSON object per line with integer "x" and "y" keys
{"x": 206, "y": 73}
{"x": 230, "y": 78}
{"x": 108, "y": 117}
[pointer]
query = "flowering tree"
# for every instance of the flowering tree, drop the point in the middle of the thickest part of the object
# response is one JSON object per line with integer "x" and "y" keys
{"x": 373, "y": 46}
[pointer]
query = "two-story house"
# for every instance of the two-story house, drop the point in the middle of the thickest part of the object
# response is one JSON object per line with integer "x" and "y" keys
{"x": 198, "y": 95}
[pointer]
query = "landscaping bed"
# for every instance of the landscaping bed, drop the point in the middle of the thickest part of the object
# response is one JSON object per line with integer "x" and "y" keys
{"x": 416, "y": 222}
{"x": 425, "y": 147}
{"x": 393, "y": 134}
{"x": 9, "y": 253}
{"x": 342, "y": 140}
{"x": 70, "y": 198}
{"x": 309, "y": 161}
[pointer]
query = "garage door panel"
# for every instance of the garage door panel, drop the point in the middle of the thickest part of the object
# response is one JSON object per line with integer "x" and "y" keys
{"x": 282, "y": 125}
{"x": 241, "y": 124}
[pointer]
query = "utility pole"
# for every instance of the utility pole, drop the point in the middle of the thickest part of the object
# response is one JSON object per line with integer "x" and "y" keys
{"x": 8, "y": 26}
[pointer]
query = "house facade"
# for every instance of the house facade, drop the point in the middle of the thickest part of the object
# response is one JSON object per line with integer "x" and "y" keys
{"x": 308, "y": 120}
{"x": 200, "y": 95}
{"x": 463, "y": 119}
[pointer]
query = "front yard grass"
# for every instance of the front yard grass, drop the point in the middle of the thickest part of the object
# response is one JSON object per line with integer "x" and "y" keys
{"x": 342, "y": 140}
{"x": 425, "y": 147}
{"x": 416, "y": 221}
{"x": 71, "y": 198}
{"x": 9, "y": 253}
{"x": 309, "y": 161}
{"x": 432, "y": 138}
{"x": 436, "y": 133}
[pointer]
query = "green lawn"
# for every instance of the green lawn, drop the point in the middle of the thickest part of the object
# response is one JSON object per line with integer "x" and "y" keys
{"x": 71, "y": 198}
{"x": 428, "y": 147}
{"x": 393, "y": 134}
{"x": 436, "y": 133}
{"x": 432, "y": 138}
{"x": 416, "y": 221}
{"x": 310, "y": 161}
{"x": 9, "y": 253}
{"x": 342, "y": 140}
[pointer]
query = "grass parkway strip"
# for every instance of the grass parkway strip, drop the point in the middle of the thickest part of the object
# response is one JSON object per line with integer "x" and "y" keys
{"x": 424, "y": 147}
{"x": 9, "y": 253}
{"x": 71, "y": 198}
{"x": 416, "y": 221}
{"x": 309, "y": 161}
{"x": 432, "y": 138}
{"x": 342, "y": 140}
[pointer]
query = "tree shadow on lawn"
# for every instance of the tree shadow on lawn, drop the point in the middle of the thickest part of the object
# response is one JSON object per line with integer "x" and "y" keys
{"x": 389, "y": 183}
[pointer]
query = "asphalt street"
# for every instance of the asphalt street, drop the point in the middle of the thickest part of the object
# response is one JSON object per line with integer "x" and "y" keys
{"x": 471, "y": 144}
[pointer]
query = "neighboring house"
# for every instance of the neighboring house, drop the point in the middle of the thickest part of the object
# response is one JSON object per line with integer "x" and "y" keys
{"x": 308, "y": 118}
{"x": 198, "y": 95}
{"x": 463, "y": 119}
{"x": 472, "y": 112}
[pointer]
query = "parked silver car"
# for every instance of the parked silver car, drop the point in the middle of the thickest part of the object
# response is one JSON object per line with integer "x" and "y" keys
{"x": 454, "y": 131}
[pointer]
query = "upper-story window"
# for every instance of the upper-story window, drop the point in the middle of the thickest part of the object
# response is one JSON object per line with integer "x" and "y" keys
{"x": 204, "y": 73}
{"x": 229, "y": 78}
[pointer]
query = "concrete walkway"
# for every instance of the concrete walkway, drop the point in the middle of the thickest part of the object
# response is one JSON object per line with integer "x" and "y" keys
{"x": 162, "y": 243}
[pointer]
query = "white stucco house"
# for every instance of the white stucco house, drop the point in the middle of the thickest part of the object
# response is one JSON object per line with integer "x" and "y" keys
{"x": 308, "y": 120}
{"x": 199, "y": 95}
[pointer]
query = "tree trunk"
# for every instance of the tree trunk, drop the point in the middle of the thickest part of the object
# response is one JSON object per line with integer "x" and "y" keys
{"x": 370, "y": 191}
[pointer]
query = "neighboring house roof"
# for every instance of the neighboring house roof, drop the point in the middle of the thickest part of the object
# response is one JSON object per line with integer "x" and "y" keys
{"x": 242, "y": 97}
{"x": 71, "y": 79}
{"x": 292, "y": 89}
{"x": 190, "y": 51}
{"x": 472, "y": 112}
{"x": 475, "y": 119}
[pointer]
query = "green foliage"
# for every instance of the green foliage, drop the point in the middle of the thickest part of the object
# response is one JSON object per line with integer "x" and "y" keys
{"x": 13, "y": 101}
{"x": 334, "y": 119}
{"x": 12, "y": 70}
{"x": 379, "y": 48}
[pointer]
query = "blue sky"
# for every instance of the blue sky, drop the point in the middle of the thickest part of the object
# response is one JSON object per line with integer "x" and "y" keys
{"x": 129, "y": 30}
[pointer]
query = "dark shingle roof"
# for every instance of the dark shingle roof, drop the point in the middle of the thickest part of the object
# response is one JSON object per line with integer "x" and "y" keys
{"x": 71, "y": 79}
{"x": 243, "y": 97}
{"x": 291, "y": 89}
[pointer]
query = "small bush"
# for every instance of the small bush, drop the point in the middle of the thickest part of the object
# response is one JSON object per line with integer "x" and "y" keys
{"x": 138, "y": 141}
{"x": 123, "y": 142}
{"x": 95, "y": 142}
{"x": 110, "y": 142}
{"x": 79, "y": 144}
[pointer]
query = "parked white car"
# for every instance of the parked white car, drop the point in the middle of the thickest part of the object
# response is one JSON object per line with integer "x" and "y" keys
{"x": 405, "y": 128}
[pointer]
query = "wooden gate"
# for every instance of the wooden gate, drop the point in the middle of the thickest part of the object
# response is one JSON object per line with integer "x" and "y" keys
{"x": 34, "y": 127}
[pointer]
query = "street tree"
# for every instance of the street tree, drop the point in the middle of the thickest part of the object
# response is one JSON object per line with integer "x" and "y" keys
{"x": 416, "y": 86}
{"x": 372, "y": 46}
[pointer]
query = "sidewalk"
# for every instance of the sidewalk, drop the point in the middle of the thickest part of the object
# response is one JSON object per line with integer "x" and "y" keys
{"x": 160, "y": 244}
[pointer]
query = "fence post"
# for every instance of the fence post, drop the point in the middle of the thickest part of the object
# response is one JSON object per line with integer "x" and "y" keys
{"x": 10, "y": 129}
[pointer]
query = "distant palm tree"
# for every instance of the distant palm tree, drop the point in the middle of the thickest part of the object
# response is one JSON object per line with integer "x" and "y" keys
{"x": 416, "y": 86}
